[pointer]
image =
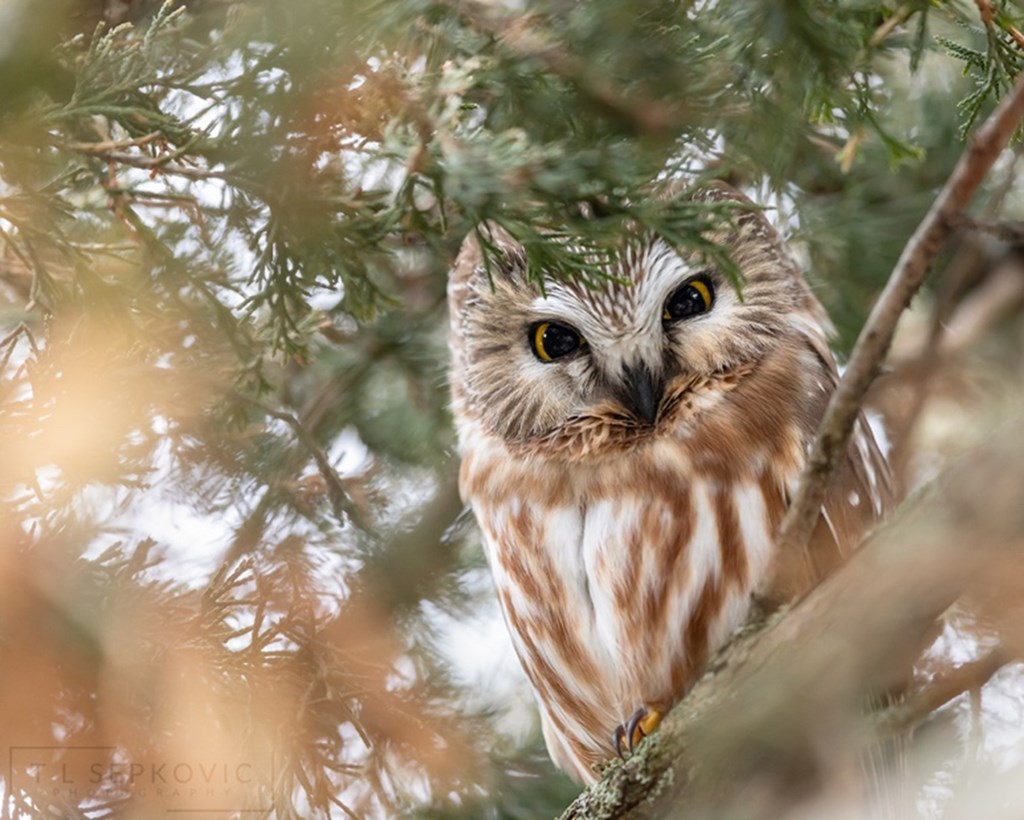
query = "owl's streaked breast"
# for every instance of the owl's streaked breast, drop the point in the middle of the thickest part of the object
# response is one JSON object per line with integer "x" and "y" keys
{"x": 619, "y": 576}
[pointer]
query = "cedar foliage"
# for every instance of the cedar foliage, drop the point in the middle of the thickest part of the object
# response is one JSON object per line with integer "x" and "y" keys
{"x": 227, "y": 504}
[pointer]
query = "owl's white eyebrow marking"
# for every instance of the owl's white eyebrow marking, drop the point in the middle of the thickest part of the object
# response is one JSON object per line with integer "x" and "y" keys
{"x": 627, "y": 303}
{"x": 661, "y": 261}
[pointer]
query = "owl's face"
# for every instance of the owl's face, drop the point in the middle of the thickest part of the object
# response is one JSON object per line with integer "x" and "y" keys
{"x": 615, "y": 362}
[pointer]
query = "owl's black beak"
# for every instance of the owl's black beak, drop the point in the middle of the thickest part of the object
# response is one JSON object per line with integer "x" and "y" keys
{"x": 642, "y": 393}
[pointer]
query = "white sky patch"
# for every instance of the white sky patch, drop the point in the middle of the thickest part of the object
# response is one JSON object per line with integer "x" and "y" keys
{"x": 190, "y": 543}
{"x": 193, "y": 544}
{"x": 325, "y": 298}
{"x": 348, "y": 454}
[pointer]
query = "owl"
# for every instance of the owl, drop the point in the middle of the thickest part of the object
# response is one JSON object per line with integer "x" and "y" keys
{"x": 629, "y": 450}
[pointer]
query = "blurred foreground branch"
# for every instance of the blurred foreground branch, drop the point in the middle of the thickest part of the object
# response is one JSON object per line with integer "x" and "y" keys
{"x": 875, "y": 339}
{"x": 522, "y": 37}
{"x": 758, "y": 735}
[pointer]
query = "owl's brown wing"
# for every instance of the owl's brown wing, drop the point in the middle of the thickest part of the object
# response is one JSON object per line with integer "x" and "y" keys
{"x": 860, "y": 493}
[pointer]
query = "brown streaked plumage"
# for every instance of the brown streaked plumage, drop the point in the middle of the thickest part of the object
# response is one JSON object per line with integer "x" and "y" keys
{"x": 628, "y": 490}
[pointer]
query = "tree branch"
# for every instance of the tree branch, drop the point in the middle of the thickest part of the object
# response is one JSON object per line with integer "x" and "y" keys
{"x": 876, "y": 337}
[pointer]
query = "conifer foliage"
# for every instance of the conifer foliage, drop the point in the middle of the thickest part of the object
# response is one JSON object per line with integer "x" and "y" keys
{"x": 230, "y": 539}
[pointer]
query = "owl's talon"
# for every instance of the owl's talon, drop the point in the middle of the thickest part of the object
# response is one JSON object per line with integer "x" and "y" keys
{"x": 618, "y": 736}
{"x": 640, "y": 725}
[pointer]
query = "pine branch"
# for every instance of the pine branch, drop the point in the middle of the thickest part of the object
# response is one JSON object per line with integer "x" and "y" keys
{"x": 988, "y": 13}
{"x": 522, "y": 37}
{"x": 876, "y": 337}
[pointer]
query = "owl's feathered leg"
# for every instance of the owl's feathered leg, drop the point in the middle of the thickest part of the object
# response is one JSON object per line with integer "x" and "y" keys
{"x": 644, "y": 721}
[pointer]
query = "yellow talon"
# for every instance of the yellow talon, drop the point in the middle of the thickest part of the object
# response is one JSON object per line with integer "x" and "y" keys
{"x": 647, "y": 724}
{"x": 644, "y": 721}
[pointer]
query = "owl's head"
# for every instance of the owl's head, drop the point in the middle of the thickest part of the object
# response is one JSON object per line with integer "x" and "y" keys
{"x": 577, "y": 368}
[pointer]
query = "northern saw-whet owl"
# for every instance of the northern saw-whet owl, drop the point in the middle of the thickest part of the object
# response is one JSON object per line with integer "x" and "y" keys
{"x": 629, "y": 451}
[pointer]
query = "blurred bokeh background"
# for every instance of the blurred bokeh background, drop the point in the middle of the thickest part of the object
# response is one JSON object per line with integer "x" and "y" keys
{"x": 230, "y": 537}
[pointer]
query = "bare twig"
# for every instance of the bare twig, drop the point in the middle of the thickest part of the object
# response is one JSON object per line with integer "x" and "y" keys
{"x": 335, "y": 486}
{"x": 897, "y": 18}
{"x": 161, "y": 164}
{"x": 106, "y": 146}
{"x": 875, "y": 339}
{"x": 969, "y": 262}
{"x": 8, "y": 342}
{"x": 967, "y": 677}
{"x": 1009, "y": 232}
{"x": 1000, "y": 296}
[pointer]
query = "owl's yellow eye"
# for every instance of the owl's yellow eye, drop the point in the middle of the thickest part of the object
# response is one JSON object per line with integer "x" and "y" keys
{"x": 552, "y": 341}
{"x": 693, "y": 298}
